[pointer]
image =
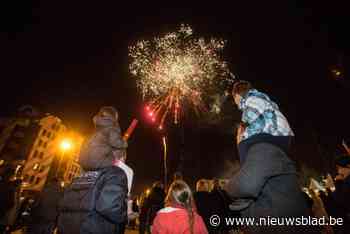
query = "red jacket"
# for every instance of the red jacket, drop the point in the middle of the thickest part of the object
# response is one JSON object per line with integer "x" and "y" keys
{"x": 171, "y": 220}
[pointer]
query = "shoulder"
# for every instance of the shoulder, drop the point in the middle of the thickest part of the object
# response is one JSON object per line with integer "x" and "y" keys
{"x": 115, "y": 173}
{"x": 272, "y": 153}
{"x": 168, "y": 216}
{"x": 255, "y": 101}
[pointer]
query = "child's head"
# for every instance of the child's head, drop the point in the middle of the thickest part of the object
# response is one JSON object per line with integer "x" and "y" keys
{"x": 179, "y": 193}
{"x": 240, "y": 89}
{"x": 108, "y": 111}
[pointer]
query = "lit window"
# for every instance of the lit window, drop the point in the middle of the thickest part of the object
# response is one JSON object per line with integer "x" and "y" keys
{"x": 36, "y": 166}
{"x": 41, "y": 169}
{"x": 35, "y": 154}
{"x": 37, "y": 180}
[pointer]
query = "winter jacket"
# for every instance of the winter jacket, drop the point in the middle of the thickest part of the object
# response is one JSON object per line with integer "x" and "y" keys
{"x": 95, "y": 203}
{"x": 45, "y": 210}
{"x": 261, "y": 115}
{"x": 220, "y": 202}
{"x": 206, "y": 207}
{"x": 267, "y": 185}
{"x": 152, "y": 204}
{"x": 174, "y": 220}
{"x": 11, "y": 215}
{"x": 98, "y": 152}
{"x": 283, "y": 142}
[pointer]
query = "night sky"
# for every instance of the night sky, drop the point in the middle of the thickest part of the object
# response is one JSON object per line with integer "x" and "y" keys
{"x": 69, "y": 58}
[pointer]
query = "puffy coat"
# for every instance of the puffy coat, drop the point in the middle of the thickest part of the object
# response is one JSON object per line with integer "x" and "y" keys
{"x": 45, "y": 210}
{"x": 98, "y": 152}
{"x": 95, "y": 203}
{"x": 174, "y": 220}
{"x": 206, "y": 207}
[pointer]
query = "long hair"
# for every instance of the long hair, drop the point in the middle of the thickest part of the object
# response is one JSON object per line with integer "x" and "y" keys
{"x": 181, "y": 194}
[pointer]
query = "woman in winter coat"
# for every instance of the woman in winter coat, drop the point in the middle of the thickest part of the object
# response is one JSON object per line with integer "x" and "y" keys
{"x": 180, "y": 215}
{"x": 204, "y": 202}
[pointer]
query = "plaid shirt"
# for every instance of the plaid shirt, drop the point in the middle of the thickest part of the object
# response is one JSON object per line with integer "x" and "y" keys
{"x": 261, "y": 115}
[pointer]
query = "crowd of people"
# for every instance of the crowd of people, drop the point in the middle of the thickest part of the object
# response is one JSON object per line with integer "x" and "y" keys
{"x": 266, "y": 185}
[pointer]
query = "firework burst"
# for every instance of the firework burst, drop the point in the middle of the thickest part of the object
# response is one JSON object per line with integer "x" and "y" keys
{"x": 176, "y": 69}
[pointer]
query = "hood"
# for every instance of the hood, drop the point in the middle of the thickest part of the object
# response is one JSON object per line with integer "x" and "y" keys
{"x": 104, "y": 122}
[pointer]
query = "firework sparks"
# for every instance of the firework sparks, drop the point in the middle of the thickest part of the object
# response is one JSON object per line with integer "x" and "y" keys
{"x": 175, "y": 68}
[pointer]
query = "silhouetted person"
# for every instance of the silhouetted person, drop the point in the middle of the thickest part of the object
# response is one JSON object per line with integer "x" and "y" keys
{"x": 337, "y": 202}
{"x": 9, "y": 199}
{"x": 152, "y": 204}
{"x": 220, "y": 201}
{"x": 44, "y": 212}
{"x": 204, "y": 203}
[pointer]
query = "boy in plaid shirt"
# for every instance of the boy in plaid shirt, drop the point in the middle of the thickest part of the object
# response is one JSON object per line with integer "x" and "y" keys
{"x": 262, "y": 121}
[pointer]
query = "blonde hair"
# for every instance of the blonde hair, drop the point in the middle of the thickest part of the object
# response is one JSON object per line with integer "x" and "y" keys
{"x": 180, "y": 193}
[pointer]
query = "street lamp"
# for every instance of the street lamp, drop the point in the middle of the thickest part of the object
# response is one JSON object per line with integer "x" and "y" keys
{"x": 66, "y": 144}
